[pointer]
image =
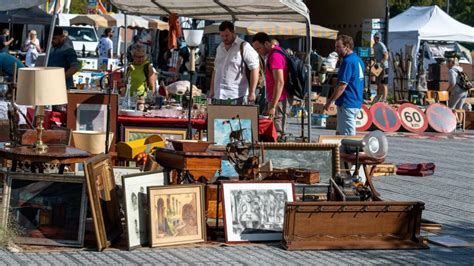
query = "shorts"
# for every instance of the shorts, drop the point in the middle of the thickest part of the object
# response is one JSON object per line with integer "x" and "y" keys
{"x": 346, "y": 121}
{"x": 382, "y": 78}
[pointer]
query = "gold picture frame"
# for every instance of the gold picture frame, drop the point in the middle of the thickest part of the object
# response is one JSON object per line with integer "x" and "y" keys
{"x": 134, "y": 133}
{"x": 176, "y": 215}
{"x": 104, "y": 201}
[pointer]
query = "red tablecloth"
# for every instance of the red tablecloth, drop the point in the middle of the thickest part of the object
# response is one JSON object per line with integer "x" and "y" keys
{"x": 266, "y": 129}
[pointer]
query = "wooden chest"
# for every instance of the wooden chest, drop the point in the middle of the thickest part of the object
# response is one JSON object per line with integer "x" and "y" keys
{"x": 352, "y": 225}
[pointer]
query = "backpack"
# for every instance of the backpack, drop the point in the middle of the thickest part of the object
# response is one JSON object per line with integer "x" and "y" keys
{"x": 464, "y": 82}
{"x": 297, "y": 75}
{"x": 261, "y": 71}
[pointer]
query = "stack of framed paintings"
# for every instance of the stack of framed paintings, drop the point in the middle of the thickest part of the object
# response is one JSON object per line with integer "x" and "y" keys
{"x": 136, "y": 205}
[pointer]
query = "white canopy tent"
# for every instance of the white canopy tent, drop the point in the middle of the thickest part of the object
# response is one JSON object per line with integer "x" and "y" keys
{"x": 429, "y": 23}
{"x": 233, "y": 10}
{"x": 276, "y": 28}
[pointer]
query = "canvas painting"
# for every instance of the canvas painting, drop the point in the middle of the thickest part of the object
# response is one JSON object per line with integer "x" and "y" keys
{"x": 226, "y": 130}
{"x": 229, "y": 123}
{"x": 136, "y": 204}
{"x": 254, "y": 211}
{"x": 91, "y": 117}
{"x": 46, "y": 209}
{"x": 176, "y": 215}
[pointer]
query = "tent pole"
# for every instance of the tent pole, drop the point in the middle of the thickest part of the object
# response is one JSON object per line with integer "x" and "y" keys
{"x": 308, "y": 69}
{"x": 125, "y": 48}
{"x": 51, "y": 32}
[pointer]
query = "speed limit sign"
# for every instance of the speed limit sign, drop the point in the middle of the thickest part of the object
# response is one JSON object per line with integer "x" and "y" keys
{"x": 363, "y": 119}
{"x": 413, "y": 118}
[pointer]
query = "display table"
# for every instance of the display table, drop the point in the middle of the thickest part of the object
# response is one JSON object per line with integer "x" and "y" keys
{"x": 266, "y": 129}
{"x": 56, "y": 154}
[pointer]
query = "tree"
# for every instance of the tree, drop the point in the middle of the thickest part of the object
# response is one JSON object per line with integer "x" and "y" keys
{"x": 78, "y": 7}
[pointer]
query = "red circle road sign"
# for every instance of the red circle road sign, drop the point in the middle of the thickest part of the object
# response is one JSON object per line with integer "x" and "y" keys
{"x": 412, "y": 118}
{"x": 363, "y": 119}
{"x": 385, "y": 117}
{"x": 441, "y": 118}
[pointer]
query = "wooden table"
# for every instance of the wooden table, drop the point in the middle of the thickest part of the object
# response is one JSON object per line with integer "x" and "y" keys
{"x": 56, "y": 154}
{"x": 191, "y": 166}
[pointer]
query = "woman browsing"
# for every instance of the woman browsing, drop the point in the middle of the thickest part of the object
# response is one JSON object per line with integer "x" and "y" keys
{"x": 32, "y": 49}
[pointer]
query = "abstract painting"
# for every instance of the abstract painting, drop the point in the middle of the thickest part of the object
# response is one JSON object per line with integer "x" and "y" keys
{"x": 176, "y": 215}
{"x": 254, "y": 211}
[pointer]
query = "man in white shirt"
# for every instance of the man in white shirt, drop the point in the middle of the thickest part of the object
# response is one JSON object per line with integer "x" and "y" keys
{"x": 105, "y": 47}
{"x": 230, "y": 81}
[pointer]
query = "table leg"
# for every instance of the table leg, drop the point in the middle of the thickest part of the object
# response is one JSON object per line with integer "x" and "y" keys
{"x": 61, "y": 169}
{"x": 14, "y": 165}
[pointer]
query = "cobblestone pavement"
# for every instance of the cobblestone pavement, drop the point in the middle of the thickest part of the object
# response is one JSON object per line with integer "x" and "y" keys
{"x": 448, "y": 195}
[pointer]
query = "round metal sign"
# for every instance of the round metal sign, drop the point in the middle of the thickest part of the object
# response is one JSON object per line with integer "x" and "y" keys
{"x": 385, "y": 117}
{"x": 363, "y": 119}
{"x": 413, "y": 118}
{"x": 441, "y": 118}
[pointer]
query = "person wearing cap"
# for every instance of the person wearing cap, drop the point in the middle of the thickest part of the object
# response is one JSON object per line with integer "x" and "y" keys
{"x": 63, "y": 55}
{"x": 105, "y": 47}
{"x": 381, "y": 60}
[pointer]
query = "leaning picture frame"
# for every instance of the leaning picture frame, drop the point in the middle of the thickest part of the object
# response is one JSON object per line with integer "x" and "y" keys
{"x": 104, "y": 201}
{"x": 45, "y": 209}
{"x": 254, "y": 211}
{"x": 120, "y": 171}
{"x": 317, "y": 156}
{"x": 231, "y": 122}
{"x": 176, "y": 215}
{"x": 136, "y": 205}
{"x": 336, "y": 139}
{"x": 134, "y": 133}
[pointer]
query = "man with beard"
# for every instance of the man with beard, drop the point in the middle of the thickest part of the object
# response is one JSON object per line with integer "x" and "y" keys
{"x": 234, "y": 56}
{"x": 348, "y": 93}
{"x": 62, "y": 55}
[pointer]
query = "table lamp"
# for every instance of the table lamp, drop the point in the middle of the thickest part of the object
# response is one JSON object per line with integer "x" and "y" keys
{"x": 41, "y": 86}
{"x": 193, "y": 38}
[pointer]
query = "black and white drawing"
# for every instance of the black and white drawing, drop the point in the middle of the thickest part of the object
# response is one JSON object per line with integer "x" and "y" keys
{"x": 255, "y": 211}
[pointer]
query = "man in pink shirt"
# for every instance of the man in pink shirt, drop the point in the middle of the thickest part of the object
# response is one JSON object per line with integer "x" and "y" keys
{"x": 276, "y": 74}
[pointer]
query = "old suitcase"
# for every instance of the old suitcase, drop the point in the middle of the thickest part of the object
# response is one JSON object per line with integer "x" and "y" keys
{"x": 353, "y": 225}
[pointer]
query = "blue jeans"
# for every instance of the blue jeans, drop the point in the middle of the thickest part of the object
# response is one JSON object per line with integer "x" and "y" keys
{"x": 346, "y": 120}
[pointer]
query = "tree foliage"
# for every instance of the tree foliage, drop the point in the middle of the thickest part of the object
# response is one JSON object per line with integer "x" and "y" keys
{"x": 78, "y": 7}
{"x": 462, "y": 10}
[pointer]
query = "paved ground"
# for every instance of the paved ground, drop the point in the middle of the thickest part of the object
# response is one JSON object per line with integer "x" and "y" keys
{"x": 448, "y": 195}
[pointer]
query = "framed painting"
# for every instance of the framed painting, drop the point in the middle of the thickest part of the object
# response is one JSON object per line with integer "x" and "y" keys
{"x": 254, "y": 211}
{"x": 134, "y": 133}
{"x": 227, "y": 123}
{"x": 91, "y": 117}
{"x": 136, "y": 205}
{"x": 45, "y": 209}
{"x": 104, "y": 201}
{"x": 324, "y": 158}
{"x": 176, "y": 215}
{"x": 120, "y": 171}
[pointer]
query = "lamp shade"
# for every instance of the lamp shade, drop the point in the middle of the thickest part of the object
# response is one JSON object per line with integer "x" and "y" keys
{"x": 193, "y": 37}
{"x": 41, "y": 86}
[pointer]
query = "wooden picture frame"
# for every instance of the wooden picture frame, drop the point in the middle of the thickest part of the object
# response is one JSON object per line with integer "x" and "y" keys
{"x": 136, "y": 205}
{"x": 221, "y": 120}
{"x": 254, "y": 210}
{"x": 322, "y": 154}
{"x": 45, "y": 209}
{"x": 120, "y": 171}
{"x": 103, "y": 198}
{"x": 76, "y": 98}
{"x": 170, "y": 206}
{"x": 134, "y": 133}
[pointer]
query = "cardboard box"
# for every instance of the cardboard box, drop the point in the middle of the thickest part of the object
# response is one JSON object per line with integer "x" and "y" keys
{"x": 321, "y": 100}
{"x": 318, "y": 108}
{"x": 331, "y": 122}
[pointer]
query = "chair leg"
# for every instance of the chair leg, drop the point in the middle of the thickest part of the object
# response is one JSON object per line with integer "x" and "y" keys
{"x": 369, "y": 173}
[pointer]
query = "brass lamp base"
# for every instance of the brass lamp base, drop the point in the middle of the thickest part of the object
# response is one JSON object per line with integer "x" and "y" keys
{"x": 40, "y": 146}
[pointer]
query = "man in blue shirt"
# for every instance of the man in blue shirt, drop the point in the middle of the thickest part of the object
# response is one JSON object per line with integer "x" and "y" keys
{"x": 7, "y": 63}
{"x": 348, "y": 93}
{"x": 62, "y": 55}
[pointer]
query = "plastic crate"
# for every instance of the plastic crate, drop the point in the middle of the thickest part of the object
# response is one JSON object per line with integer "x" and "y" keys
{"x": 362, "y": 52}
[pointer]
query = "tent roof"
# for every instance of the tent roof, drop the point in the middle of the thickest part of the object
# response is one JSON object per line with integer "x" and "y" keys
{"x": 431, "y": 23}
{"x": 275, "y": 10}
{"x": 118, "y": 20}
{"x": 32, "y": 15}
{"x": 276, "y": 28}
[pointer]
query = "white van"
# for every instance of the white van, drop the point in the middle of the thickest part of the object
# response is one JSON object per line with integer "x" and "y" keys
{"x": 83, "y": 38}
